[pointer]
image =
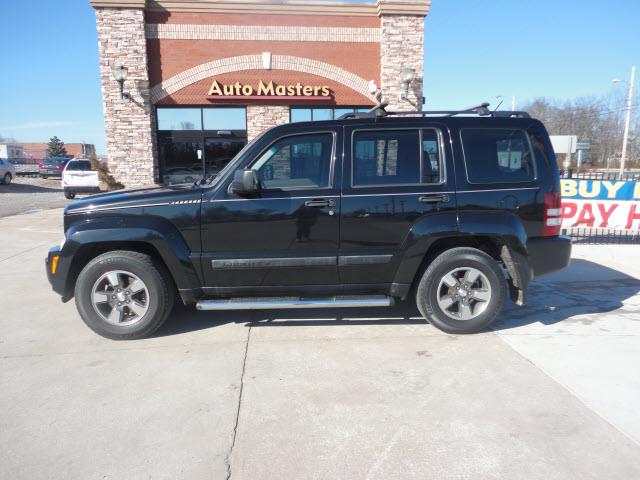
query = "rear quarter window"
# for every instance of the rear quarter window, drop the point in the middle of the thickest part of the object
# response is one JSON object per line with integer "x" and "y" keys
{"x": 497, "y": 155}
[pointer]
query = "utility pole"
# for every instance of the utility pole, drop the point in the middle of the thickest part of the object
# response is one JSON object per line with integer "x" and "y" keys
{"x": 627, "y": 122}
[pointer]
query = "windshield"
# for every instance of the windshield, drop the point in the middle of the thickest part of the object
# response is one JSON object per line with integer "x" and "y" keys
{"x": 232, "y": 164}
{"x": 83, "y": 165}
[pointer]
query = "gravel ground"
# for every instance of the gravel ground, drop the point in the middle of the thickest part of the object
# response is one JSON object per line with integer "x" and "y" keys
{"x": 31, "y": 194}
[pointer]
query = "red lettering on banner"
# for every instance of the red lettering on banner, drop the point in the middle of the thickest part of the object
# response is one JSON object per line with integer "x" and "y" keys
{"x": 632, "y": 216}
{"x": 569, "y": 209}
{"x": 606, "y": 213}
{"x": 586, "y": 216}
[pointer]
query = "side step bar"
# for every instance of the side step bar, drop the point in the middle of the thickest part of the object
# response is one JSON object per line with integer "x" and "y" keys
{"x": 287, "y": 303}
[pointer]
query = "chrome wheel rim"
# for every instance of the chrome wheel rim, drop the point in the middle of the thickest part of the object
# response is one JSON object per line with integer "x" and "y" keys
{"x": 464, "y": 293}
{"x": 120, "y": 298}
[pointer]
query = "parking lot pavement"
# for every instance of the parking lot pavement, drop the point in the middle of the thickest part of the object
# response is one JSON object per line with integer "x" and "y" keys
{"x": 31, "y": 194}
{"x": 549, "y": 393}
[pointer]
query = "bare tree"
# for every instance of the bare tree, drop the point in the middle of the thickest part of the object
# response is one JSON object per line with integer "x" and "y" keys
{"x": 597, "y": 120}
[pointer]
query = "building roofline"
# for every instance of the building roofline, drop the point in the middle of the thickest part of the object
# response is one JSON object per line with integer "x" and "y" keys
{"x": 279, "y": 7}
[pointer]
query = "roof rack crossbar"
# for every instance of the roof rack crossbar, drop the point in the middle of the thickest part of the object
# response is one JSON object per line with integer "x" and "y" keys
{"x": 481, "y": 110}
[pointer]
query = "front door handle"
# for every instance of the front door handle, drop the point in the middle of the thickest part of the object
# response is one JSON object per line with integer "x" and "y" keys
{"x": 434, "y": 199}
{"x": 320, "y": 203}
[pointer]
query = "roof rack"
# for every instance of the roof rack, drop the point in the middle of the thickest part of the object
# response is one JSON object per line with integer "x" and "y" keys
{"x": 481, "y": 110}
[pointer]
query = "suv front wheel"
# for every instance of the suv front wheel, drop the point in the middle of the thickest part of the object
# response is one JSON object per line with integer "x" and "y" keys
{"x": 462, "y": 291}
{"x": 124, "y": 295}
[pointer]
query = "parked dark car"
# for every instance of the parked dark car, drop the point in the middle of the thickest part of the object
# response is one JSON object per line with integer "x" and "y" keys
{"x": 52, "y": 167}
{"x": 456, "y": 211}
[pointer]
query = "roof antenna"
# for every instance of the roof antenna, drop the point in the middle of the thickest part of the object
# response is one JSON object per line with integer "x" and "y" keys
{"x": 500, "y": 102}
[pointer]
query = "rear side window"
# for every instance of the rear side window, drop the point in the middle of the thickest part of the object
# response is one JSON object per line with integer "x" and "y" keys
{"x": 497, "y": 155}
{"x": 390, "y": 157}
{"x": 81, "y": 165}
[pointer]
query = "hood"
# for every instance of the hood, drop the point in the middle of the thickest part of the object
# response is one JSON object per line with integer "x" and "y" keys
{"x": 135, "y": 197}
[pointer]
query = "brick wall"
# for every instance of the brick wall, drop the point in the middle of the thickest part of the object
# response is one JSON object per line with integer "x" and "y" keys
{"x": 129, "y": 122}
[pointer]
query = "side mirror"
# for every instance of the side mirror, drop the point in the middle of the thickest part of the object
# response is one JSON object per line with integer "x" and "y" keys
{"x": 245, "y": 183}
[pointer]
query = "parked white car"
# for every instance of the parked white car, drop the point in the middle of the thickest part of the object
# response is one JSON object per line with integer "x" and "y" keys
{"x": 7, "y": 171}
{"x": 79, "y": 177}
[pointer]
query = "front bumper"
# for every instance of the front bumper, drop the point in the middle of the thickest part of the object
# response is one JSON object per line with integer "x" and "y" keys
{"x": 58, "y": 280}
{"x": 547, "y": 255}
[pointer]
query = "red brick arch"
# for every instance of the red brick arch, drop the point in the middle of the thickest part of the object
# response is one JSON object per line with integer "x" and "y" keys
{"x": 255, "y": 62}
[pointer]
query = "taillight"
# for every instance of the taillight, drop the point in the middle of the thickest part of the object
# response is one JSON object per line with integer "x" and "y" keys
{"x": 552, "y": 214}
{"x": 41, "y": 165}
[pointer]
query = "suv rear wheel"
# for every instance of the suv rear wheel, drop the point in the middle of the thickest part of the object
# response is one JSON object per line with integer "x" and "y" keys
{"x": 7, "y": 178}
{"x": 462, "y": 291}
{"x": 124, "y": 295}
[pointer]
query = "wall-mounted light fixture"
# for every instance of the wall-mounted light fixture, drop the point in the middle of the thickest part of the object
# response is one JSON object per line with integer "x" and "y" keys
{"x": 120, "y": 73}
{"x": 407, "y": 76}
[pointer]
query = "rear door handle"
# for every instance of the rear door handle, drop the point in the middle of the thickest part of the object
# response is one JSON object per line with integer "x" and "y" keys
{"x": 320, "y": 203}
{"x": 434, "y": 199}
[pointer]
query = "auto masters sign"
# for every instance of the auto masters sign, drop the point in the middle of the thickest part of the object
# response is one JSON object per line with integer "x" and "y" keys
{"x": 268, "y": 91}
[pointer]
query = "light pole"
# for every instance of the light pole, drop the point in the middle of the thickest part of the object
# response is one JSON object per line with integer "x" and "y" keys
{"x": 627, "y": 122}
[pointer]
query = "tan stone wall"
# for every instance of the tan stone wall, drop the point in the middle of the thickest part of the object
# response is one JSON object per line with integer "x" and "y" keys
{"x": 402, "y": 45}
{"x": 263, "y": 117}
{"x": 129, "y": 122}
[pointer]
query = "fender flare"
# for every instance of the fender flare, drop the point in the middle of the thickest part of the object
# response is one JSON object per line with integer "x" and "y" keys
{"x": 155, "y": 232}
{"x": 505, "y": 228}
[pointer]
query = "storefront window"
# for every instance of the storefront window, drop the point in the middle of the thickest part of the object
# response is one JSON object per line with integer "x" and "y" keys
{"x": 224, "y": 118}
{"x": 179, "y": 119}
{"x": 308, "y": 114}
{"x": 197, "y": 142}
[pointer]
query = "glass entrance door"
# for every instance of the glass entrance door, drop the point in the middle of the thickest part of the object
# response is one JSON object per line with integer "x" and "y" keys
{"x": 220, "y": 149}
{"x": 198, "y": 142}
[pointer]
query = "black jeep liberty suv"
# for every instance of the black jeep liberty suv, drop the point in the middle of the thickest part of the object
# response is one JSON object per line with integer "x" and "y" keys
{"x": 457, "y": 209}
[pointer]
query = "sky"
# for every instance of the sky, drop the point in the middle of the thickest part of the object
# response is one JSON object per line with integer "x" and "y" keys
{"x": 474, "y": 51}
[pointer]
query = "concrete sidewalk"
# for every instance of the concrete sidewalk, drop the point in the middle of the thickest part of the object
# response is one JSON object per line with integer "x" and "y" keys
{"x": 372, "y": 394}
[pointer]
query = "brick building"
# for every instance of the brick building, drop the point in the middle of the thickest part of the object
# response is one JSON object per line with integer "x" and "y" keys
{"x": 38, "y": 150}
{"x": 203, "y": 77}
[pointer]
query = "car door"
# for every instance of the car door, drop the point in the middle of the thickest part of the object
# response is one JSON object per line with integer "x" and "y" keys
{"x": 288, "y": 234}
{"x": 393, "y": 178}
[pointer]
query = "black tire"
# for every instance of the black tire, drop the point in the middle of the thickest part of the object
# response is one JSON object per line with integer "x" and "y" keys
{"x": 429, "y": 289}
{"x": 69, "y": 195}
{"x": 160, "y": 287}
{"x": 7, "y": 178}
{"x": 44, "y": 176}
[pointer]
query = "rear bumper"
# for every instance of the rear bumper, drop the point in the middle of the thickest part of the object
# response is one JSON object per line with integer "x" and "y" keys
{"x": 82, "y": 189}
{"x": 50, "y": 173}
{"x": 547, "y": 255}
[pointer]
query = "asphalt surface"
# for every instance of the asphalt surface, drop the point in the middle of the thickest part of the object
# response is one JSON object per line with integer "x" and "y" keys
{"x": 31, "y": 194}
{"x": 551, "y": 393}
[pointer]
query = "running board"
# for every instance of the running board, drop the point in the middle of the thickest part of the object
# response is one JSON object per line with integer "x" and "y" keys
{"x": 287, "y": 303}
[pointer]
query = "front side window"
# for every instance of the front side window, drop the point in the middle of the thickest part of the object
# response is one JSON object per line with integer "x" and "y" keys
{"x": 299, "y": 161}
{"x": 496, "y": 155}
{"x": 390, "y": 157}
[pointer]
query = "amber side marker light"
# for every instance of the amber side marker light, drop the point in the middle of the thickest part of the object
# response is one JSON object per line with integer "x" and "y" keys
{"x": 54, "y": 264}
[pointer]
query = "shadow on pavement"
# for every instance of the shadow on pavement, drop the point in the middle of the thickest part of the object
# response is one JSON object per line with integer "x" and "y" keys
{"x": 28, "y": 188}
{"x": 188, "y": 319}
{"x": 583, "y": 288}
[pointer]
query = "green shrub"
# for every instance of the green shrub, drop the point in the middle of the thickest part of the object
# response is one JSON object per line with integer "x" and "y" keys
{"x": 103, "y": 174}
